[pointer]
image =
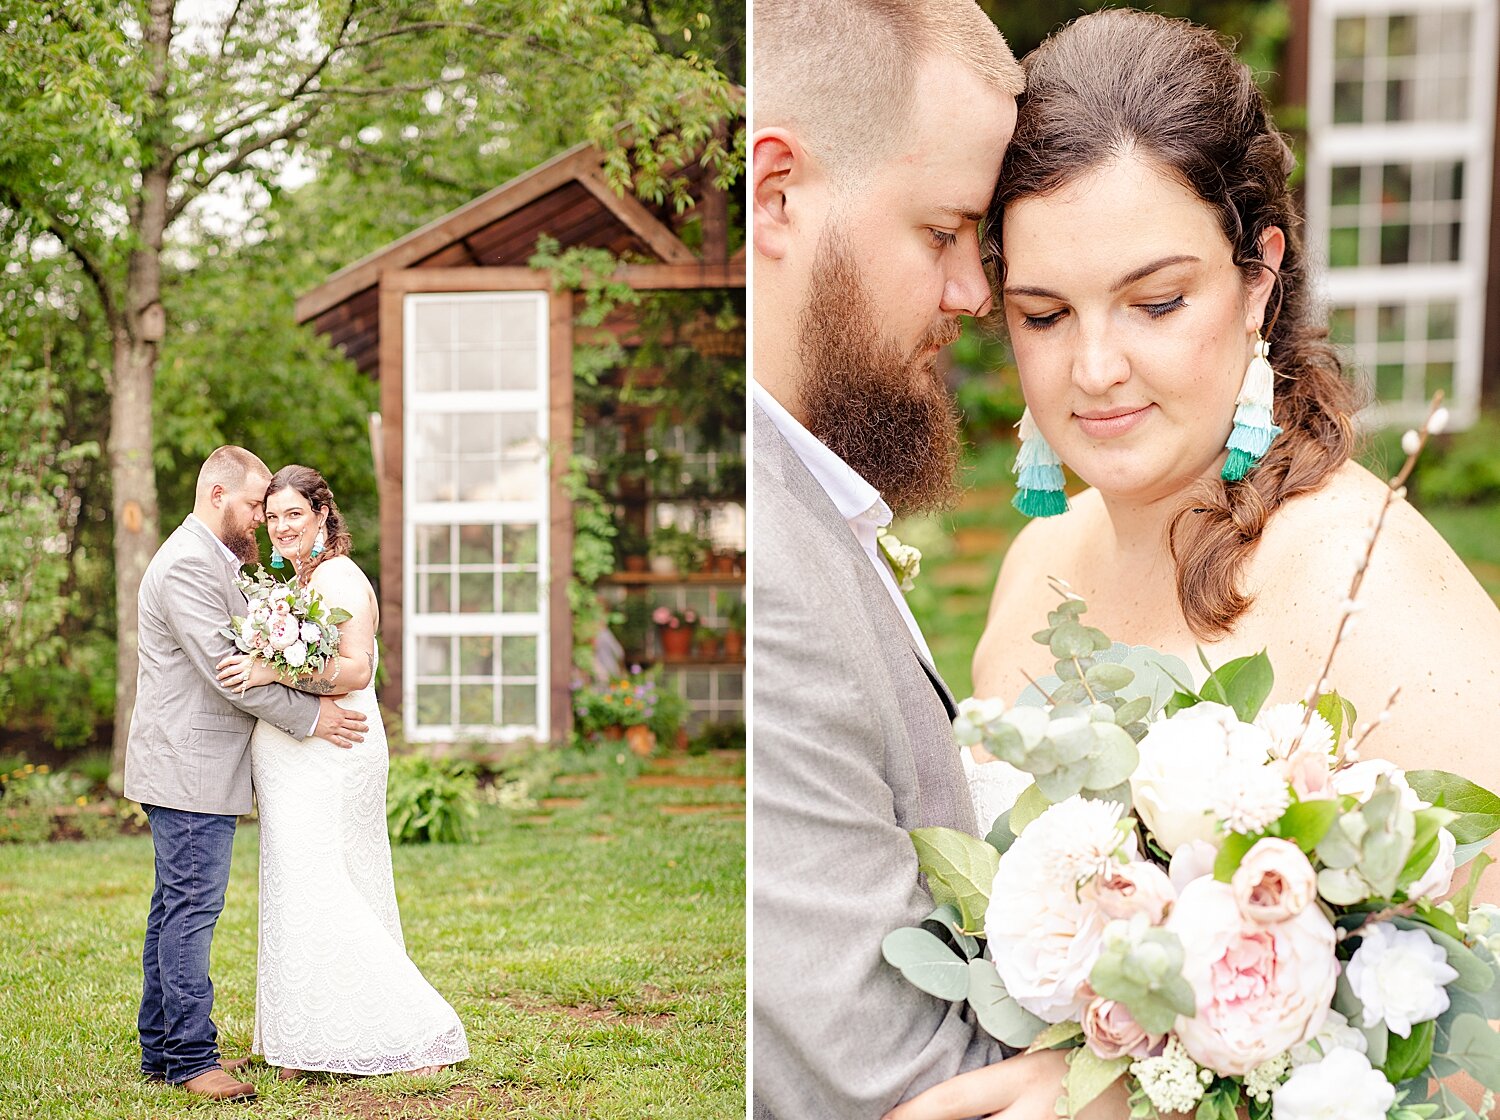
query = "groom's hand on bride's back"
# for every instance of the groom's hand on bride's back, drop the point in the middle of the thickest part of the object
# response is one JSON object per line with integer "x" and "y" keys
{"x": 343, "y": 727}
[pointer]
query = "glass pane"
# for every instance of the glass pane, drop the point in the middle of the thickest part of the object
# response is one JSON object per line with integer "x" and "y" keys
{"x": 1439, "y": 376}
{"x": 1349, "y": 37}
{"x": 519, "y": 438}
{"x": 476, "y": 434}
{"x": 731, "y": 686}
{"x": 518, "y": 705}
{"x": 474, "y": 369}
{"x": 518, "y": 592}
{"x": 474, "y": 325}
{"x": 519, "y": 482}
{"x": 476, "y": 703}
{"x": 1399, "y": 101}
{"x": 1401, "y": 37}
{"x": 1346, "y": 185}
{"x": 1447, "y": 241}
{"x": 432, "y": 544}
{"x": 434, "y": 656}
{"x": 697, "y": 685}
{"x": 433, "y": 324}
{"x": 432, "y": 597}
{"x": 434, "y": 481}
{"x": 1341, "y": 326}
{"x": 1395, "y": 183}
{"x": 1391, "y": 322}
{"x": 1348, "y": 102}
{"x": 432, "y": 436}
{"x": 1442, "y": 320}
{"x": 434, "y": 705}
{"x": 1395, "y": 244}
{"x": 1390, "y": 382}
{"x": 518, "y": 544}
{"x": 518, "y": 369}
{"x": 476, "y": 481}
{"x": 476, "y": 656}
{"x": 476, "y": 593}
{"x": 518, "y": 655}
{"x": 430, "y": 372}
{"x": 1343, "y": 248}
{"x": 476, "y": 544}
{"x": 516, "y": 321}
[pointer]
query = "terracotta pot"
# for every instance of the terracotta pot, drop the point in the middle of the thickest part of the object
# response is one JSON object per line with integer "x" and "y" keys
{"x": 708, "y": 649}
{"x": 676, "y": 645}
{"x": 723, "y": 563}
{"x": 641, "y": 740}
{"x": 636, "y": 564}
{"x": 734, "y": 645}
{"x": 614, "y": 731}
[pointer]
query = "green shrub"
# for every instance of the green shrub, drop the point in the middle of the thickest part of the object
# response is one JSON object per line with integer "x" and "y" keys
{"x": 729, "y": 736}
{"x": 29, "y": 798}
{"x": 1461, "y": 469}
{"x": 430, "y": 800}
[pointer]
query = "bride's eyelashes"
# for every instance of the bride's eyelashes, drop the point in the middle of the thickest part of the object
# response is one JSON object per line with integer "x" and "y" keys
{"x": 1155, "y": 310}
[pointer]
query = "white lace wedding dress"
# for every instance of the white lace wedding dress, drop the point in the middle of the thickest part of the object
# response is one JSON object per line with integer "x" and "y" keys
{"x": 334, "y": 987}
{"x": 993, "y": 788}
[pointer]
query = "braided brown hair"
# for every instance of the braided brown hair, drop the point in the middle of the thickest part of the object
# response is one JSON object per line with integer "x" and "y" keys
{"x": 314, "y": 487}
{"x": 1119, "y": 81}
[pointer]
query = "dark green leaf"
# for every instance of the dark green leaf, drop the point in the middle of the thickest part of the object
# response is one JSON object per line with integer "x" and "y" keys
{"x": 1234, "y": 849}
{"x": 1479, "y": 809}
{"x": 1407, "y": 1057}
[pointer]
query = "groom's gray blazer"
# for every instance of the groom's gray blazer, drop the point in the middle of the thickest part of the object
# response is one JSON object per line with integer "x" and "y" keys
{"x": 189, "y": 736}
{"x": 853, "y": 746}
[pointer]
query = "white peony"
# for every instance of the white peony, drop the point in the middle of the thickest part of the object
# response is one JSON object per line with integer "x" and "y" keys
{"x": 1400, "y": 976}
{"x": 1044, "y": 934}
{"x": 1192, "y": 860}
{"x": 1435, "y": 881}
{"x": 1185, "y": 762}
{"x": 1334, "y": 1034}
{"x": 295, "y": 654}
{"x": 1359, "y": 780}
{"x": 1342, "y": 1086}
{"x": 311, "y": 634}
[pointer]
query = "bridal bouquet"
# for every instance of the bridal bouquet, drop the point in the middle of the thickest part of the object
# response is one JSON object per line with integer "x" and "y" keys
{"x": 288, "y": 625}
{"x": 1216, "y": 900}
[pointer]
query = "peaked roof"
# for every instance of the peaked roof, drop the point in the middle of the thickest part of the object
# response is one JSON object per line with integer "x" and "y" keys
{"x": 566, "y": 198}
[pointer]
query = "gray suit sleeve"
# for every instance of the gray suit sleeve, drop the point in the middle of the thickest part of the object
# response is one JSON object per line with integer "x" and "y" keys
{"x": 195, "y": 616}
{"x": 839, "y": 1033}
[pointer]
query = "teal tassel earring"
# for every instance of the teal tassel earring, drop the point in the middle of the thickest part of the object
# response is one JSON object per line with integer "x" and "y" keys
{"x": 1253, "y": 428}
{"x": 1039, "y": 475}
{"x": 276, "y": 560}
{"x": 319, "y": 544}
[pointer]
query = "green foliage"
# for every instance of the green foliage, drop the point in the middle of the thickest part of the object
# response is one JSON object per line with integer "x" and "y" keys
{"x": 593, "y": 558}
{"x": 430, "y": 800}
{"x": 1143, "y": 970}
{"x": 960, "y": 870}
{"x": 1462, "y": 468}
{"x": 686, "y": 550}
{"x": 726, "y": 736}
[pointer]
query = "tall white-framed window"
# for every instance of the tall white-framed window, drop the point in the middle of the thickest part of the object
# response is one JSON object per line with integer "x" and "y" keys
{"x": 476, "y": 506}
{"x": 1401, "y": 103}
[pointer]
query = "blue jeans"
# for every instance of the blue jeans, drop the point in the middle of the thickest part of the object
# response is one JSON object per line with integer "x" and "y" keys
{"x": 178, "y": 1039}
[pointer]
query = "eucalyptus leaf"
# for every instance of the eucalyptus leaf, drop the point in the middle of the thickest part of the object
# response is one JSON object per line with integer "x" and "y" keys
{"x": 996, "y": 1011}
{"x": 1133, "y": 710}
{"x": 1107, "y": 676}
{"x": 1071, "y": 639}
{"x": 1475, "y": 1046}
{"x": 1113, "y": 764}
{"x": 1062, "y": 783}
{"x": 951, "y": 923}
{"x": 962, "y": 865}
{"x": 928, "y": 963}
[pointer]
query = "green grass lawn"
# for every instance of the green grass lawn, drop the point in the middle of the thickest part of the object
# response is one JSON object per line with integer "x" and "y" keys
{"x": 962, "y": 551}
{"x": 594, "y": 947}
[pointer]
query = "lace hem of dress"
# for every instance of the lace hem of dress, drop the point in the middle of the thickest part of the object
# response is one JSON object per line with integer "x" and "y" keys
{"x": 449, "y": 1048}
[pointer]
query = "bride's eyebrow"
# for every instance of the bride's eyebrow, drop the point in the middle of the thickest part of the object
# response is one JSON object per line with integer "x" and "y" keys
{"x": 1124, "y": 282}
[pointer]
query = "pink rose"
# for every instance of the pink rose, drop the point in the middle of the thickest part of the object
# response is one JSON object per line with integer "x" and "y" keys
{"x": 259, "y": 640}
{"x": 1273, "y": 882}
{"x": 1260, "y": 989}
{"x": 1134, "y": 888}
{"x": 1112, "y": 1032}
{"x": 284, "y": 631}
{"x": 1306, "y": 771}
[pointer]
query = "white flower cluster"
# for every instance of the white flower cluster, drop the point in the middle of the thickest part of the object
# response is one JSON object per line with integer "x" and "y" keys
{"x": 1171, "y": 1081}
{"x": 905, "y": 561}
{"x": 1263, "y": 1078}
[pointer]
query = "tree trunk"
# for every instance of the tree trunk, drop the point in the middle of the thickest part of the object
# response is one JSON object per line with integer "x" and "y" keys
{"x": 132, "y": 472}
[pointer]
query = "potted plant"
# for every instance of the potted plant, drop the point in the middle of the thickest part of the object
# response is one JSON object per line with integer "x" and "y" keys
{"x": 683, "y": 549}
{"x": 734, "y": 633}
{"x": 674, "y": 628}
{"x": 633, "y": 625}
{"x": 707, "y": 641}
{"x": 631, "y": 547}
{"x": 624, "y": 708}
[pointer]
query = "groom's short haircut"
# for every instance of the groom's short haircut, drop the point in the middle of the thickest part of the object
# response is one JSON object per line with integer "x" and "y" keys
{"x": 842, "y": 74}
{"x": 228, "y": 467}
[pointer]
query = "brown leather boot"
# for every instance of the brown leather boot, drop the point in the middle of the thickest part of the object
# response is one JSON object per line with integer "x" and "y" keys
{"x": 217, "y": 1085}
{"x": 229, "y": 1065}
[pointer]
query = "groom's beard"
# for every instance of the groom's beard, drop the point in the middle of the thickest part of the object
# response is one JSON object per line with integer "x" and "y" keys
{"x": 888, "y": 415}
{"x": 239, "y": 538}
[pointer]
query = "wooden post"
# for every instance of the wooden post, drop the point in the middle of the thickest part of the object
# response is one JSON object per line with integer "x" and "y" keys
{"x": 391, "y": 485}
{"x": 560, "y": 562}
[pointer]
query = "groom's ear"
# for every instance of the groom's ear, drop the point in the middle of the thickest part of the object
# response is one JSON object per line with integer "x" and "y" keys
{"x": 777, "y": 161}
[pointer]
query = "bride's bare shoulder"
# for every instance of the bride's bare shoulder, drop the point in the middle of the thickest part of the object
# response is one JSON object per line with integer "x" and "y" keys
{"x": 342, "y": 580}
{"x": 1043, "y": 548}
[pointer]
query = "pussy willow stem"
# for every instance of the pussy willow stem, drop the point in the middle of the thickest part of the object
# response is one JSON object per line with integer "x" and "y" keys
{"x": 1083, "y": 680}
{"x": 1396, "y": 489}
{"x": 1371, "y": 726}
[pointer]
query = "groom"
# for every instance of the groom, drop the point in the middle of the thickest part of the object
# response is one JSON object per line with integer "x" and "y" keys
{"x": 187, "y": 762}
{"x": 879, "y": 131}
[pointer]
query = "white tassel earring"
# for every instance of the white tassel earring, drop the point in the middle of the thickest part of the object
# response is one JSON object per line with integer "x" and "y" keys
{"x": 1254, "y": 430}
{"x": 1039, "y": 475}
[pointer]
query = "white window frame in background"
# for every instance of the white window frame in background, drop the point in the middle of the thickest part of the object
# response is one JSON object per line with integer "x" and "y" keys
{"x": 470, "y": 512}
{"x": 1470, "y": 142}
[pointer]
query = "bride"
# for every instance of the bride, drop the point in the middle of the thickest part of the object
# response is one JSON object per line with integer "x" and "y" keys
{"x": 335, "y": 990}
{"x": 1150, "y": 257}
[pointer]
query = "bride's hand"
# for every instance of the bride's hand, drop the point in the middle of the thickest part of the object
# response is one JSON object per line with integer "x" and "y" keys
{"x": 1025, "y": 1087}
{"x": 240, "y": 671}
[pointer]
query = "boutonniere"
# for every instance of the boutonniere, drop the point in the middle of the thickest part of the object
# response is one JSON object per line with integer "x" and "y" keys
{"x": 905, "y": 561}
